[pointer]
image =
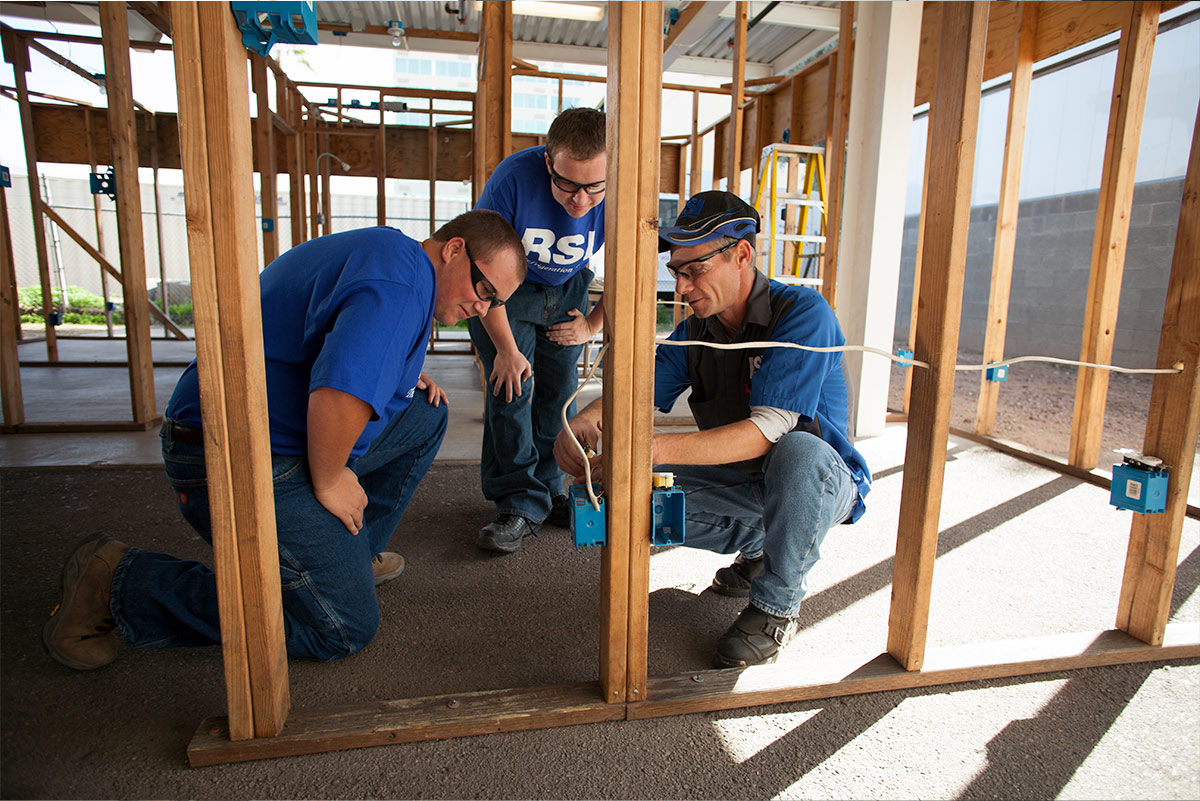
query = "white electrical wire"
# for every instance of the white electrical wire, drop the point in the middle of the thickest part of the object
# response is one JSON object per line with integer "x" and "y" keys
{"x": 816, "y": 349}
{"x": 587, "y": 465}
{"x": 1052, "y": 360}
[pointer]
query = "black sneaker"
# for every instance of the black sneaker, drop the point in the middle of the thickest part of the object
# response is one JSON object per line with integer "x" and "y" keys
{"x": 734, "y": 580}
{"x": 504, "y": 534}
{"x": 754, "y": 639}
{"x": 560, "y": 513}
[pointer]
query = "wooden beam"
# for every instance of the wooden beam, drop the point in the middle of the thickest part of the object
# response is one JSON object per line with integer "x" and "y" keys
{"x": 697, "y": 153}
{"x": 1112, "y": 228}
{"x": 10, "y": 320}
{"x": 409, "y": 720}
{"x": 108, "y": 267}
{"x": 114, "y": 28}
{"x": 296, "y": 152}
{"x": 381, "y": 166}
{"x": 835, "y": 152}
{"x": 713, "y": 690}
{"x": 493, "y": 101}
{"x": 16, "y": 53}
{"x": 157, "y": 14}
{"x": 738, "y": 94}
{"x": 954, "y": 117}
{"x": 1171, "y": 428}
{"x": 1006, "y": 215}
{"x": 264, "y": 133}
{"x": 216, "y": 144}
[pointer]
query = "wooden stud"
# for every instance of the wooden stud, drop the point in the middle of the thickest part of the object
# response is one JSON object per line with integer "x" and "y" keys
{"x": 16, "y": 53}
{"x": 326, "y": 166}
{"x": 954, "y": 118}
{"x": 264, "y": 134}
{"x": 697, "y": 154}
{"x": 737, "y": 95}
{"x": 164, "y": 293}
{"x": 493, "y": 101}
{"x": 381, "y": 166}
{"x": 915, "y": 305}
{"x": 314, "y": 182}
{"x": 433, "y": 134}
{"x": 99, "y": 217}
{"x": 214, "y": 103}
{"x": 10, "y": 320}
{"x": 1171, "y": 428}
{"x": 114, "y": 27}
{"x": 835, "y": 152}
{"x": 1006, "y": 215}
{"x": 1112, "y": 227}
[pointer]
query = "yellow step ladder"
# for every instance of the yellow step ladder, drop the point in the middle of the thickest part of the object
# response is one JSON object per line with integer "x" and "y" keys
{"x": 786, "y": 266}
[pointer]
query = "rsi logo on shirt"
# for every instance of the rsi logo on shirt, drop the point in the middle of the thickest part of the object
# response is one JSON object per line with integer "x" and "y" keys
{"x": 560, "y": 255}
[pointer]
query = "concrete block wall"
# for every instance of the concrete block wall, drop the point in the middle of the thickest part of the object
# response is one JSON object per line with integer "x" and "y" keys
{"x": 1051, "y": 267}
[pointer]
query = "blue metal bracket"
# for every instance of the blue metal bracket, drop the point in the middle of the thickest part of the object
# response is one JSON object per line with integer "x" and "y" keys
{"x": 104, "y": 183}
{"x": 5, "y": 177}
{"x": 265, "y": 23}
{"x": 268, "y": 224}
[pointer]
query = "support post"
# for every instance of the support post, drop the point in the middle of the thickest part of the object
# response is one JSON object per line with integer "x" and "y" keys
{"x": 835, "y": 151}
{"x": 737, "y": 93}
{"x": 631, "y": 218}
{"x": 381, "y": 165}
{"x": 16, "y": 52}
{"x": 954, "y": 117}
{"x": 1112, "y": 228}
{"x": 114, "y": 29}
{"x": 697, "y": 153}
{"x": 10, "y": 317}
{"x": 1171, "y": 428}
{"x": 1006, "y": 216}
{"x": 885, "y": 74}
{"x": 492, "y": 133}
{"x": 215, "y": 145}
{"x": 264, "y": 134}
{"x": 295, "y": 156}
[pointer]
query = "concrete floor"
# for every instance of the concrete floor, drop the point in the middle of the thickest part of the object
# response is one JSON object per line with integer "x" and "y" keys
{"x": 1023, "y": 551}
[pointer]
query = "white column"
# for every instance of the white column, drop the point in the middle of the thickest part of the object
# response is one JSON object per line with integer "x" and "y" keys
{"x": 881, "y": 106}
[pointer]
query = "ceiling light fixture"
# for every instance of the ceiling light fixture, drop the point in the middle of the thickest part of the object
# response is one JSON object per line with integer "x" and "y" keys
{"x": 554, "y": 10}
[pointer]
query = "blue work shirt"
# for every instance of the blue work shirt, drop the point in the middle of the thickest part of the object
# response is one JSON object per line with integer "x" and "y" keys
{"x": 350, "y": 311}
{"x": 557, "y": 245}
{"x": 726, "y": 383}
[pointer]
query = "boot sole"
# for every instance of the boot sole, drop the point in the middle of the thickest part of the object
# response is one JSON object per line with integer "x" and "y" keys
{"x": 77, "y": 561}
{"x": 722, "y": 662}
{"x": 728, "y": 591}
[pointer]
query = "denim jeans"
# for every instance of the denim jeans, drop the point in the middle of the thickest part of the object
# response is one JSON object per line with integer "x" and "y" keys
{"x": 330, "y": 609}
{"x": 517, "y": 470}
{"x": 782, "y": 513}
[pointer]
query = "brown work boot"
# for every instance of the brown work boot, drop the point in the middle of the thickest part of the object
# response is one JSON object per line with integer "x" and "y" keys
{"x": 80, "y": 632}
{"x": 386, "y": 565}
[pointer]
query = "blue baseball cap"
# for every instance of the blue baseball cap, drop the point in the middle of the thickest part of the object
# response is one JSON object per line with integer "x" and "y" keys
{"x": 708, "y": 216}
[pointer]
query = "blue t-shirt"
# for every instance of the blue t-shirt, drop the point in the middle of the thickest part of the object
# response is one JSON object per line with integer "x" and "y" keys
{"x": 350, "y": 311}
{"x": 557, "y": 245}
{"x": 726, "y": 383}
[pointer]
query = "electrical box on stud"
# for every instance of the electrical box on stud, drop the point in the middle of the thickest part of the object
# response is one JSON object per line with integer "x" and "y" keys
{"x": 587, "y": 522}
{"x": 1139, "y": 483}
{"x": 667, "y": 509}
{"x": 264, "y": 24}
{"x": 996, "y": 374}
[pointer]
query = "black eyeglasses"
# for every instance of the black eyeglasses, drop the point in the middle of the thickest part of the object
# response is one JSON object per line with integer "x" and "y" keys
{"x": 489, "y": 293}
{"x": 676, "y": 271}
{"x": 570, "y": 187}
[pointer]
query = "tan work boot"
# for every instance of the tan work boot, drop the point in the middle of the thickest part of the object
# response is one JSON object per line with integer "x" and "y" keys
{"x": 386, "y": 566}
{"x": 80, "y": 632}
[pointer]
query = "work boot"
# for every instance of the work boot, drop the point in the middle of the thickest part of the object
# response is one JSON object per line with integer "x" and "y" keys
{"x": 735, "y": 579}
{"x": 754, "y": 639}
{"x": 80, "y": 631}
{"x": 386, "y": 565}
{"x": 560, "y": 512}
{"x": 504, "y": 534}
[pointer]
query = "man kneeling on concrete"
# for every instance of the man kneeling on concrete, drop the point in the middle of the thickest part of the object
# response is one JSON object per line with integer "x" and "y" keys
{"x": 354, "y": 423}
{"x": 771, "y": 469}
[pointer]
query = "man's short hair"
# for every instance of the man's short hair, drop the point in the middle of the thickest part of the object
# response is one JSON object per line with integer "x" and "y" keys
{"x": 577, "y": 132}
{"x": 486, "y": 233}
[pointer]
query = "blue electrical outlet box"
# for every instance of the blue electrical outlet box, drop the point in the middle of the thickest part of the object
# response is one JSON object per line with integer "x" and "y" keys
{"x": 996, "y": 374}
{"x": 587, "y": 522}
{"x": 268, "y": 224}
{"x": 905, "y": 354}
{"x": 5, "y": 177}
{"x": 1139, "y": 487}
{"x": 667, "y": 508}
{"x": 54, "y": 318}
{"x": 265, "y": 23}
{"x": 104, "y": 183}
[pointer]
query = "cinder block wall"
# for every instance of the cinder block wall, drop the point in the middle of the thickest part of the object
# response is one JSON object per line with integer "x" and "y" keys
{"x": 1050, "y": 274}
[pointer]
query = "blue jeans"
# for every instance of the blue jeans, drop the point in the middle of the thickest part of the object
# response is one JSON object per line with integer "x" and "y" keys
{"x": 330, "y": 609}
{"x": 782, "y": 513}
{"x": 517, "y": 470}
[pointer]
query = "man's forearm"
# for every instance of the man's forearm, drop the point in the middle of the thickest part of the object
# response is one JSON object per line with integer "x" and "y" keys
{"x": 495, "y": 322}
{"x": 726, "y": 444}
{"x": 335, "y": 422}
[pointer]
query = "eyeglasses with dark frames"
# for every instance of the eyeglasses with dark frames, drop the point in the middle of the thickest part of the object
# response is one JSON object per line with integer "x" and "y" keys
{"x": 570, "y": 187}
{"x": 677, "y": 271}
{"x": 489, "y": 294}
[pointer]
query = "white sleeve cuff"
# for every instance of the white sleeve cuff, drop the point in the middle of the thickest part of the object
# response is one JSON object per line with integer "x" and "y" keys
{"x": 773, "y": 422}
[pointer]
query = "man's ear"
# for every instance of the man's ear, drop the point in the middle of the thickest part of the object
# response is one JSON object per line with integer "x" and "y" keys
{"x": 451, "y": 247}
{"x": 745, "y": 254}
{"x": 547, "y": 155}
